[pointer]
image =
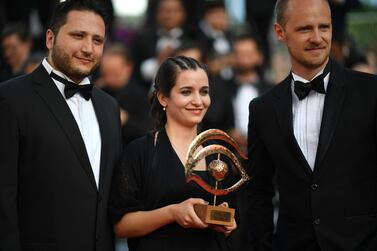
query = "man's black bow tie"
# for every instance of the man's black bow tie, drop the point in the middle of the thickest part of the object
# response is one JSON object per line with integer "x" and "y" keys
{"x": 302, "y": 89}
{"x": 71, "y": 88}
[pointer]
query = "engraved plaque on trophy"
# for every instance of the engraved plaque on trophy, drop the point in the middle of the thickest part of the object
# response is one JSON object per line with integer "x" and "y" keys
{"x": 218, "y": 170}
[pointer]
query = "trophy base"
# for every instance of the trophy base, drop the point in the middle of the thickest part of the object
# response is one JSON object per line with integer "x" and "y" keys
{"x": 215, "y": 215}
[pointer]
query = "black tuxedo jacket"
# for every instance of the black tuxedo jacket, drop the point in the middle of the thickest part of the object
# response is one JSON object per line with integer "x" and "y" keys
{"x": 333, "y": 207}
{"x": 49, "y": 200}
{"x": 220, "y": 113}
{"x": 143, "y": 47}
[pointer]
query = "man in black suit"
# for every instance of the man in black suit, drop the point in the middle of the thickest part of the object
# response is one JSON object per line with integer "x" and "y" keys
{"x": 115, "y": 79}
{"x": 259, "y": 15}
{"x": 318, "y": 138}
{"x": 60, "y": 140}
{"x": 157, "y": 42}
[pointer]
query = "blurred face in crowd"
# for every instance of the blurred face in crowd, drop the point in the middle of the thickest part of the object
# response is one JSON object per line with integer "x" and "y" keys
{"x": 16, "y": 51}
{"x": 189, "y": 99}
{"x": 307, "y": 34}
{"x": 170, "y": 14}
{"x": 217, "y": 18}
{"x": 115, "y": 70}
{"x": 246, "y": 56}
{"x": 77, "y": 48}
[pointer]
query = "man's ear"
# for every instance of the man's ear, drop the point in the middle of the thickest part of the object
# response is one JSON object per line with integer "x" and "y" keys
{"x": 50, "y": 38}
{"x": 162, "y": 99}
{"x": 280, "y": 33}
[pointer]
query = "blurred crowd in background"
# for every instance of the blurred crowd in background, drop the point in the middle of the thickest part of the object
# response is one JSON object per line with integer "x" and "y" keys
{"x": 233, "y": 38}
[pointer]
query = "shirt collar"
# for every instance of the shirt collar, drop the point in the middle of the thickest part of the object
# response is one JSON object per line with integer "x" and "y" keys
{"x": 49, "y": 69}
{"x": 326, "y": 79}
{"x": 174, "y": 33}
{"x": 299, "y": 78}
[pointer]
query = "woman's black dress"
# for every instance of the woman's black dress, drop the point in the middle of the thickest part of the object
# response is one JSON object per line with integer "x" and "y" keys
{"x": 152, "y": 176}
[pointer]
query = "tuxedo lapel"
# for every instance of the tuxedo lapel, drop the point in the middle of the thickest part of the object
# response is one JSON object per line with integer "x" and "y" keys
{"x": 283, "y": 108}
{"x": 333, "y": 104}
{"x": 100, "y": 109}
{"x": 53, "y": 99}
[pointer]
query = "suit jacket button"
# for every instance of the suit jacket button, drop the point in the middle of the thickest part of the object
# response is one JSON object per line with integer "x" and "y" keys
{"x": 100, "y": 199}
{"x": 314, "y": 186}
{"x": 317, "y": 221}
{"x": 98, "y": 237}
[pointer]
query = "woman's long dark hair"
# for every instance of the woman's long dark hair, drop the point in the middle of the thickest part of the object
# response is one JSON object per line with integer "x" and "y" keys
{"x": 165, "y": 80}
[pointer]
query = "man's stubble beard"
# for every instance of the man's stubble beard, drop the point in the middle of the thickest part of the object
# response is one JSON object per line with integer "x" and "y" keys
{"x": 311, "y": 64}
{"x": 63, "y": 63}
{"x": 244, "y": 70}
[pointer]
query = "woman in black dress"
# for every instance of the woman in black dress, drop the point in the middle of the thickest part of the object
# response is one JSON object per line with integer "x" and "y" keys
{"x": 151, "y": 202}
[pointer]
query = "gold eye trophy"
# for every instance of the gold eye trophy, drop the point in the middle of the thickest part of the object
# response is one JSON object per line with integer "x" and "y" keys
{"x": 218, "y": 170}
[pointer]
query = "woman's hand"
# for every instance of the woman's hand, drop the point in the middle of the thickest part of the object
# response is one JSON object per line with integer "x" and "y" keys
{"x": 184, "y": 213}
{"x": 142, "y": 223}
{"x": 227, "y": 230}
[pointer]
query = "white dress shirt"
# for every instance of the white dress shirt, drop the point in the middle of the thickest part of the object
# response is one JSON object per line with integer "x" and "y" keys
{"x": 221, "y": 44}
{"x": 166, "y": 39}
{"x": 245, "y": 93}
{"x": 307, "y": 117}
{"x": 86, "y": 119}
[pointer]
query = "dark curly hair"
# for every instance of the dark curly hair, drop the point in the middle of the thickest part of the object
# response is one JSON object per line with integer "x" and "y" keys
{"x": 59, "y": 17}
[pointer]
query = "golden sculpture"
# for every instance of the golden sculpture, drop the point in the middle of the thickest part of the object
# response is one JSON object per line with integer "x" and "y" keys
{"x": 219, "y": 170}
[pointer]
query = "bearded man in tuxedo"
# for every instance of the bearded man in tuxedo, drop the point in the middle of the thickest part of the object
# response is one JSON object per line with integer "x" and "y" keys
{"x": 60, "y": 140}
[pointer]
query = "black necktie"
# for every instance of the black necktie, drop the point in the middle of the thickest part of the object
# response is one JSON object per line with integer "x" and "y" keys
{"x": 71, "y": 88}
{"x": 302, "y": 89}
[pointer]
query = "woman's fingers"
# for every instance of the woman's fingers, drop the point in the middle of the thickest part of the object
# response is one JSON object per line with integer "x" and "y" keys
{"x": 224, "y": 204}
{"x": 185, "y": 214}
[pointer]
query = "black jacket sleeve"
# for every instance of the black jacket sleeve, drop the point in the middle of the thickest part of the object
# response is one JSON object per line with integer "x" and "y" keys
{"x": 9, "y": 142}
{"x": 260, "y": 189}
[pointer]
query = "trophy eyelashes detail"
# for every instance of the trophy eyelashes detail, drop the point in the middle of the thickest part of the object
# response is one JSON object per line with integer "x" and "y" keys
{"x": 219, "y": 170}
